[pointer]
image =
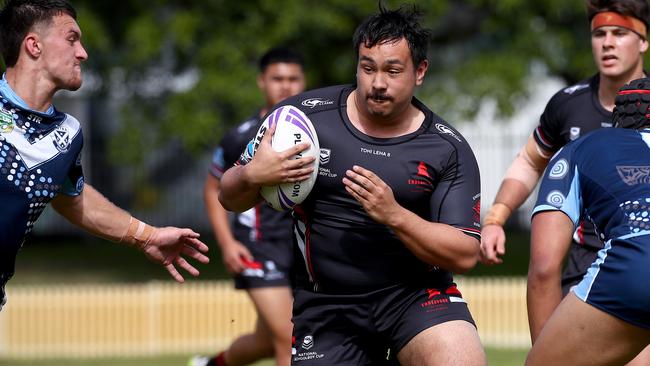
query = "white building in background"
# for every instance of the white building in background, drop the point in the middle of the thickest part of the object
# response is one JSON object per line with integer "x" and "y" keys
{"x": 497, "y": 141}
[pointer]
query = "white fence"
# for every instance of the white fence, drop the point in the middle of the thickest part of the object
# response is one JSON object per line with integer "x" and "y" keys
{"x": 82, "y": 321}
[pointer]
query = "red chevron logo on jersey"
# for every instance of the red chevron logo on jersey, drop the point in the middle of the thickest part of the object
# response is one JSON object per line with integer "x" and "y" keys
{"x": 423, "y": 171}
{"x": 421, "y": 179}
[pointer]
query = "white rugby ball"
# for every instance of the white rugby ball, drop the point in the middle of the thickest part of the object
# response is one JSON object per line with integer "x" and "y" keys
{"x": 292, "y": 127}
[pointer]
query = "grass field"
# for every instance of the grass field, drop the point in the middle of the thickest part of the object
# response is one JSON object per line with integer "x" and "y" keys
{"x": 496, "y": 357}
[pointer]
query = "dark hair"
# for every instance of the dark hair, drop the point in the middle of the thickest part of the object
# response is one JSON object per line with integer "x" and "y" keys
{"x": 281, "y": 55}
{"x": 635, "y": 8}
{"x": 393, "y": 25}
{"x": 18, "y": 17}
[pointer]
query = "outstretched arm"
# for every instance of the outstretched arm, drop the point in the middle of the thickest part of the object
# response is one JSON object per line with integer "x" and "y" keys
{"x": 551, "y": 233}
{"x": 519, "y": 182}
{"x": 94, "y": 213}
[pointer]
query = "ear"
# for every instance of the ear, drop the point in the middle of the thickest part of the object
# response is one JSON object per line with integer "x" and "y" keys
{"x": 421, "y": 71}
{"x": 32, "y": 45}
{"x": 644, "y": 45}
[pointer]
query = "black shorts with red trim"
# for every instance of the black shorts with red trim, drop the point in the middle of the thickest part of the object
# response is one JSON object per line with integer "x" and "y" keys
{"x": 361, "y": 329}
{"x": 270, "y": 267}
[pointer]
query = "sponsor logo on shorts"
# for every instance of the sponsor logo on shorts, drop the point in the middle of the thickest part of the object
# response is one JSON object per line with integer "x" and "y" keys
{"x": 438, "y": 300}
{"x": 268, "y": 270}
{"x": 316, "y": 102}
{"x": 307, "y": 344}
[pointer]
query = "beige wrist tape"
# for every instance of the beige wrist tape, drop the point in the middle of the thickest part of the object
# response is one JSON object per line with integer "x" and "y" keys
{"x": 138, "y": 233}
{"x": 497, "y": 215}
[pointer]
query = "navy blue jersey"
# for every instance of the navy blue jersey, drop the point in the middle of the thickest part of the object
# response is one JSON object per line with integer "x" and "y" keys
{"x": 571, "y": 113}
{"x": 604, "y": 177}
{"x": 431, "y": 171}
{"x": 39, "y": 157}
{"x": 261, "y": 222}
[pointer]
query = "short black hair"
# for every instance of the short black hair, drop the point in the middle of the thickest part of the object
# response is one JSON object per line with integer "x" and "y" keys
{"x": 281, "y": 55}
{"x": 17, "y": 18}
{"x": 391, "y": 26}
{"x": 635, "y": 8}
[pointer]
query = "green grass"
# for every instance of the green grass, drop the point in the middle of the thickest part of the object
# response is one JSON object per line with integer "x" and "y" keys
{"x": 496, "y": 357}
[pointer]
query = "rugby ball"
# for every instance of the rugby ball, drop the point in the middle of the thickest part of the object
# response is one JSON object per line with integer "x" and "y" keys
{"x": 292, "y": 127}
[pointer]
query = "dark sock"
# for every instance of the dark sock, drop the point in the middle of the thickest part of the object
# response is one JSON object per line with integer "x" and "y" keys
{"x": 218, "y": 360}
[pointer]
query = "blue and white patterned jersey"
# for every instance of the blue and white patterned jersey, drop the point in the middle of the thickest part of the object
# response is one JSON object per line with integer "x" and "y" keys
{"x": 605, "y": 178}
{"x": 39, "y": 158}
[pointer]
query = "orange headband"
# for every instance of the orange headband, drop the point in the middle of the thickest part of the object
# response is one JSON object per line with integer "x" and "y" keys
{"x": 619, "y": 20}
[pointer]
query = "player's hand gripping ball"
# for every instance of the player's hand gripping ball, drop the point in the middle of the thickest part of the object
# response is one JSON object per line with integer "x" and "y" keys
{"x": 292, "y": 127}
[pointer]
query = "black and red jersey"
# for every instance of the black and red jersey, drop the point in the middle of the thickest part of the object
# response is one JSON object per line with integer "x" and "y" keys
{"x": 571, "y": 113}
{"x": 432, "y": 173}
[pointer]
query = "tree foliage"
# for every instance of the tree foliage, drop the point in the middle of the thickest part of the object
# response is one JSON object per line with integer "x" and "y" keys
{"x": 186, "y": 69}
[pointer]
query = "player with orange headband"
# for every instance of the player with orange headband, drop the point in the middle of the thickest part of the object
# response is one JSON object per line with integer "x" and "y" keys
{"x": 619, "y": 40}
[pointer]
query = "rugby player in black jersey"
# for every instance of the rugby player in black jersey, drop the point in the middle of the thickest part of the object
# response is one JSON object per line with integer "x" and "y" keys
{"x": 258, "y": 247}
{"x": 394, "y": 211}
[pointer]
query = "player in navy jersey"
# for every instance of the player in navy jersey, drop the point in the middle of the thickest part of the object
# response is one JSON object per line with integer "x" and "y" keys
{"x": 604, "y": 178}
{"x": 258, "y": 247}
{"x": 618, "y": 40}
{"x": 394, "y": 211}
{"x": 40, "y": 147}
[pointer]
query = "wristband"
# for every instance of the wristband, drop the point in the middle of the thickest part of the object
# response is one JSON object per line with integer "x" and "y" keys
{"x": 497, "y": 215}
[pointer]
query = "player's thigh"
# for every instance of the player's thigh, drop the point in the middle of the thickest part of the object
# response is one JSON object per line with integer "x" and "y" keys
{"x": 453, "y": 343}
{"x": 580, "y": 334}
{"x": 642, "y": 359}
{"x": 273, "y": 305}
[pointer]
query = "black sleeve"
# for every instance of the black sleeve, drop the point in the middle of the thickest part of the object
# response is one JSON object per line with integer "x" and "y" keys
{"x": 456, "y": 200}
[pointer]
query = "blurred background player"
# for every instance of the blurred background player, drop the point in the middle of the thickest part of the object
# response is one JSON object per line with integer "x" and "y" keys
{"x": 257, "y": 247}
{"x": 391, "y": 216}
{"x": 618, "y": 41}
{"x": 40, "y": 42}
{"x": 605, "y": 319}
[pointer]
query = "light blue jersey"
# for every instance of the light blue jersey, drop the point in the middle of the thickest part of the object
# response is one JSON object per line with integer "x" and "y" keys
{"x": 605, "y": 178}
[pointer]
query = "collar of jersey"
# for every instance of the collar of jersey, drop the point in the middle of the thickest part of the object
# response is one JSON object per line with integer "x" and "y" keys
{"x": 9, "y": 93}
